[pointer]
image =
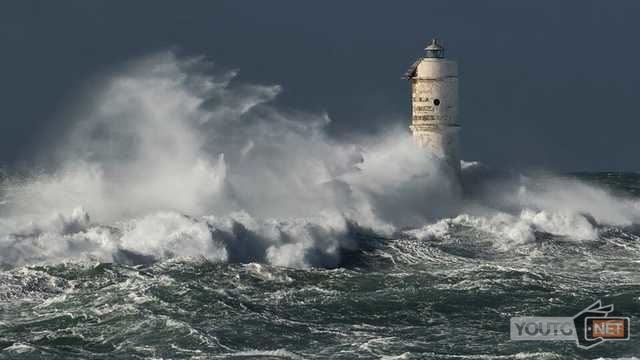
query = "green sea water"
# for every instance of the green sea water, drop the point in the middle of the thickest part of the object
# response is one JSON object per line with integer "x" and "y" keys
{"x": 446, "y": 296}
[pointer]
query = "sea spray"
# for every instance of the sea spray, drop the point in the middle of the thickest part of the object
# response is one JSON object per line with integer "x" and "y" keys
{"x": 173, "y": 159}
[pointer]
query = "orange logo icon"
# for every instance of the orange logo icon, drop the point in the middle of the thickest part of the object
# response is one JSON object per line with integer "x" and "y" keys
{"x": 605, "y": 328}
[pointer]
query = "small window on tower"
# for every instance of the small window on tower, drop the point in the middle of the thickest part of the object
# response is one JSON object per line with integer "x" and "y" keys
{"x": 436, "y": 102}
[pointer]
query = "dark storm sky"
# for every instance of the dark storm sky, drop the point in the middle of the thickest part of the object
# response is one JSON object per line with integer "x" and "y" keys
{"x": 544, "y": 84}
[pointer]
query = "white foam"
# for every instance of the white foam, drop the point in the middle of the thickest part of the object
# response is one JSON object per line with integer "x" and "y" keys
{"x": 170, "y": 161}
{"x": 508, "y": 230}
{"x": 564, "y": 195}
{"x": 164, "y": 235}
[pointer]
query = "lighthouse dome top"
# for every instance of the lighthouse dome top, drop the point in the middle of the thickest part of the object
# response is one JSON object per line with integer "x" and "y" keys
{"x": 435, "y": 50}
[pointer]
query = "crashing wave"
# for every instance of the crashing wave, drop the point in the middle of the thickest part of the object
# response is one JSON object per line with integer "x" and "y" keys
{"x": 173, "y": 161}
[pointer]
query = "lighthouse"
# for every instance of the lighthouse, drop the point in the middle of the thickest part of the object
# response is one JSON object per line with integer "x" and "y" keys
{"x": 434, "y": 104}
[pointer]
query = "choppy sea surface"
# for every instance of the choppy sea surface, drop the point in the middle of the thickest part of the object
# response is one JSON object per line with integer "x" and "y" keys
{"x": 443, "y": 291}
{"x": 179, "y": 213}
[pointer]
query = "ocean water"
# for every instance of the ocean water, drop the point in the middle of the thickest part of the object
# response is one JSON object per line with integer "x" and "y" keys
{"x": 182, "y": 215}
{"x": 444, "y": 291}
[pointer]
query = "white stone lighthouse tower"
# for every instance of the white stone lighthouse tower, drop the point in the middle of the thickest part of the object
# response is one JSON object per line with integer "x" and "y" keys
{"x": 434, "y": 86}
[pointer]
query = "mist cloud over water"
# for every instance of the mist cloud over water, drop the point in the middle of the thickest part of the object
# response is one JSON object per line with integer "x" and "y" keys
{"x": 174, "y": 158}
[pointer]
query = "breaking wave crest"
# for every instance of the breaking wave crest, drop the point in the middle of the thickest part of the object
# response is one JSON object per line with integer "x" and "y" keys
{"x": 173, "y": 159}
